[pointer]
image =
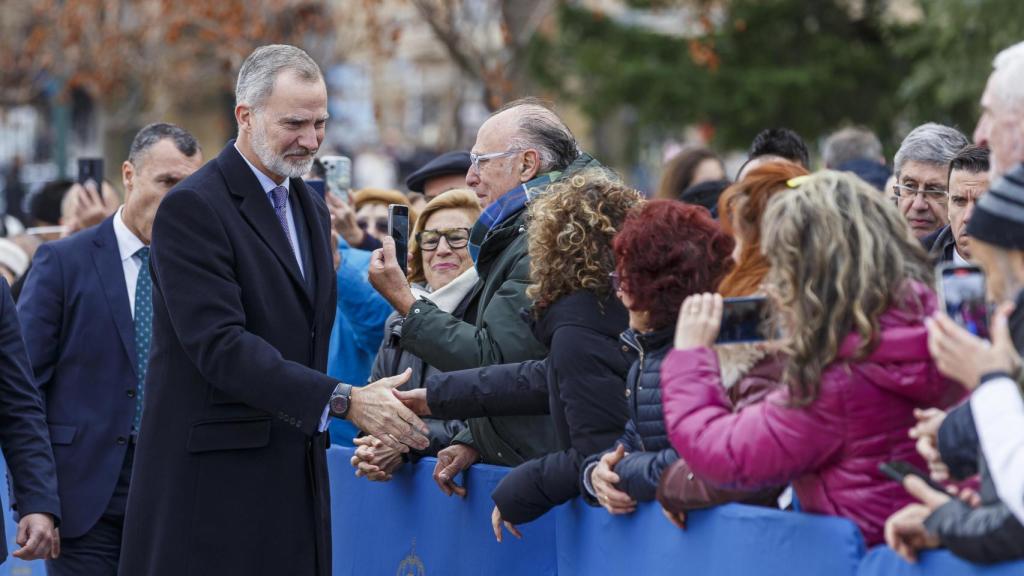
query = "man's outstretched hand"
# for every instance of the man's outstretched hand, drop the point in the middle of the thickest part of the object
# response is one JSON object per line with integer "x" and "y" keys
{"x": 375, "y": 410}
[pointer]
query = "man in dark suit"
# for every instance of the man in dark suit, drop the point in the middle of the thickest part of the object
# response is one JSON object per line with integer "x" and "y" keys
{"x": 87, "y": 309}
{"x": 230, "y": 474}
{"x": 26, "y": 445}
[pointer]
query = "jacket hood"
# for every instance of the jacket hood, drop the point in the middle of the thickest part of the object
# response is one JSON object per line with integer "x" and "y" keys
{"x": 900, "y": 361}
{"x": 583, "y": 308}
{"x": 736, "y": 360}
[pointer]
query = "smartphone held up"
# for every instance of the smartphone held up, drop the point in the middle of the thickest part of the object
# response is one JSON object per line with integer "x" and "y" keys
{"x": 744, "y": 320}
{"x": 962, "y": 294}
{"x": 398, "y": 229}
{"x": 338, "y": 175}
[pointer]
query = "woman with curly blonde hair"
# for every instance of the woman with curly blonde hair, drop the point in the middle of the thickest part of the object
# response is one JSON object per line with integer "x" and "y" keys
{"x": 850, "y": 290}
{"x": 578, "y": 318}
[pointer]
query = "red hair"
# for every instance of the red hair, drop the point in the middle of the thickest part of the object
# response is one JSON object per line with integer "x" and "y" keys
{"x": 667, "y": 251}
{"x": 739, "y": 209}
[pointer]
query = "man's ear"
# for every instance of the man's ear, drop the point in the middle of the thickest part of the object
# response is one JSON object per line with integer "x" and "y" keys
{"x": 243, "y": 116}
{"x": 530, "y": 166}
{"x": 127, "y": 179}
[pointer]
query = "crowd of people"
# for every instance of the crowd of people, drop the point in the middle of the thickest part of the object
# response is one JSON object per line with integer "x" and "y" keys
{"x": 175, "y": 365}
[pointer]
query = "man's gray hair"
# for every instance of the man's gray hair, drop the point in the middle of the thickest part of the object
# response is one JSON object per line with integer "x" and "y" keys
{"x": 539, "y": 128}
{"x": 929, "y": 143}
{"x": 852, "y": 143}
{"x": 148, "y": 137}
{"x": 1008, "y": 76}
{"x": 257, "y": 74}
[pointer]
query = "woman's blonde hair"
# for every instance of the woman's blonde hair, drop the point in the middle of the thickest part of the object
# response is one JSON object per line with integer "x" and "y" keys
{"x": 840, "y": 256}
{"x": 459, "y": 199}
{"x": 570, "y": 235}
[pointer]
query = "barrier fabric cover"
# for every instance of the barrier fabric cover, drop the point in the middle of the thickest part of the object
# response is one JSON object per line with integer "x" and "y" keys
{"x": 407, "y": 527}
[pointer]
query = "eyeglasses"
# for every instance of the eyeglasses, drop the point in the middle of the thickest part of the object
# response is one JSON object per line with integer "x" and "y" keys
{"x": 429, "y": 240}
{"x": 616, "y": 281}
{"x": 931, "y": 194}
{"x": 476, "y": 159}
{"x": 380, "y": 224}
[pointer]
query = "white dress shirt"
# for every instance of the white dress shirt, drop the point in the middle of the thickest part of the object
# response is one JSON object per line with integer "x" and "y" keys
{"x": 998, "y": 411}
{"x": 127, "y": 245}
{"x": 268, "y": 187}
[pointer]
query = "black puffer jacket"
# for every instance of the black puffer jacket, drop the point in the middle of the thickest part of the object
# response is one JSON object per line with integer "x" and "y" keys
{"x": 581, "y": 384}
{"x": 392, "y": 359}
{"x": 645, "y": 438}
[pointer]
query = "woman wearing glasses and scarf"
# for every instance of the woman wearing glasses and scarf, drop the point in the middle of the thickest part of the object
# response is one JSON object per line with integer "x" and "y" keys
{"x": 440, "y": 270}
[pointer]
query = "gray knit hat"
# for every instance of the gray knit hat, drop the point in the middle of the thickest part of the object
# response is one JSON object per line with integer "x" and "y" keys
{"x": 998, "y": 217}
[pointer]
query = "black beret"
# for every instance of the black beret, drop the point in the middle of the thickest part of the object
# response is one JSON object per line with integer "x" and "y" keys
{"x": 443, "y": 165}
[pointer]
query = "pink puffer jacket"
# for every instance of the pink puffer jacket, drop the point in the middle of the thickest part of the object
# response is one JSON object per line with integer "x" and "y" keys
{"x": 829, "y": 450}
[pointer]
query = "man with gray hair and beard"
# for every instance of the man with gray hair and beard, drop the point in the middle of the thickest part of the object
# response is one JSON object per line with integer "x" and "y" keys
{"x": 230, "y": 471}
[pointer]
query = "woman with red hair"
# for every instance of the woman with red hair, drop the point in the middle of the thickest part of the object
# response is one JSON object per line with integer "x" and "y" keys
{"x": 665, "y": 252}
{"x": 747, "y": 371}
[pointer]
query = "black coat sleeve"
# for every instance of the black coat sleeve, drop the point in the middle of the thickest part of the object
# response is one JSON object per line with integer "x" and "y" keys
{"x": 519, "y": 389}
{"x": 958, "y": 442}
{"x": 590, "y": 388}
{"x": 982, "y": 535}
{"x": 24, "y": 436}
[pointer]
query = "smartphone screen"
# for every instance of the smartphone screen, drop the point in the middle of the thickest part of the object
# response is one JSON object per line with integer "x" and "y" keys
{"x": 962, "y": 292}
{"x": 398, "y": 228}
{"x": 743, "y": 320}
{"x": 339, "y": 175}
{"x": 91, "y": 169}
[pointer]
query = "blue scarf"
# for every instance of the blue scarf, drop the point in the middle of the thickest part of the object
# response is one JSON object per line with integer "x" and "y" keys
{"x": 504, "y": 208}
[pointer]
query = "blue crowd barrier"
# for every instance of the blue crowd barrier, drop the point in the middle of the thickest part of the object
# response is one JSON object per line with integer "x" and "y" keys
{"x": 883, "y": 561}
{"x": 408, "y": 527}
{"x": 731, "y": 539}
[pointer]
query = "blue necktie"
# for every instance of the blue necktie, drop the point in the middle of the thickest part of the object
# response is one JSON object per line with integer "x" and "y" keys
{"x": 143, "y": 328}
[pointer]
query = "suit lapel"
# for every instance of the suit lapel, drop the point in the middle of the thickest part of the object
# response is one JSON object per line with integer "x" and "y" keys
{"x": 320, "y": 243}
{"x": 258, "y": 212}
{"x": 107, "y": 258}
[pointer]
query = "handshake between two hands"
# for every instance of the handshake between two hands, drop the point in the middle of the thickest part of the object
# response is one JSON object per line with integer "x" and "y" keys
{"x": 381, "y": 411}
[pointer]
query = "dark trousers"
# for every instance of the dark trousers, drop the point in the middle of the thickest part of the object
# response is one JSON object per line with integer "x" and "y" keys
{"x": 96, "y": 552}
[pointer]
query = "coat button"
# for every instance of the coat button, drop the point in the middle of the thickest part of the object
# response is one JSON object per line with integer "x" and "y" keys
{"x": 131, "y": 393}
{"x": 415, "y": 310}
{"x": 121, "y": 440}
{"x": 500, "y": 455}
{"x": 625, "y": 348}
{"x": 628, "y": 392}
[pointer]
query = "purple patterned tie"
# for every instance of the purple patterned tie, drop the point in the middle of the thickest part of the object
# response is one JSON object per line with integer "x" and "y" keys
{"x": 280, "y": 197}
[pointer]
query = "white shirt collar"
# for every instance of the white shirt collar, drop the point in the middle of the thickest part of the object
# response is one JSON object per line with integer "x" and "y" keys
{"x": 265, "y": 180}
{"x": 957, "y": 258}
{"x": 127, "y": 242}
